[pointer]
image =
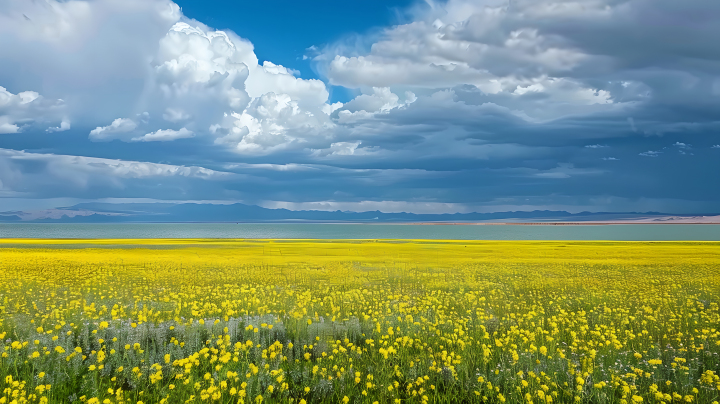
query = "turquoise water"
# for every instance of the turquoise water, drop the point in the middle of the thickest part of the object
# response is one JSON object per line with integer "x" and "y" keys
{"x": 629, "y": 232}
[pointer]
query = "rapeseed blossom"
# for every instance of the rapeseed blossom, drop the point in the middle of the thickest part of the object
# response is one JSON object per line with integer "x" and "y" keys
{"x": 173, "y": 321}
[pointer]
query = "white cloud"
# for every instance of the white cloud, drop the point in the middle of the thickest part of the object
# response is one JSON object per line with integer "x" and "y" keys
{"x": 84, "y": 173}
{"x": 64, "y": 125}
{"x": 464, "y": 84}
{"x": 543, "y": 59}
{"x": 119, "y": 126}
{"x": 340, "y": 149}
{"x": 273, "y": 167}
{"x": 26, "y": 109}
{"x": 271, "y": 123}
{"x": 381, "y": 100}
{"x": 6, "y": 127}
{"x": 164, "y": 135}
{"x": 251, "y": 108}
{"x": 563, "y": 170}
{"x": 93, "y": 54}
{"x": 175, "y": 115}
{"x": 458, "y": 43}
{"x": 385, "y": 206}
{"x": 145, "y": 56}
{"x": 111, "y": 167}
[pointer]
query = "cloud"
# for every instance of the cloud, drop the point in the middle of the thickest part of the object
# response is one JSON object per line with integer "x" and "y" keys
{"x": 272, "y": 122}
{"x": 684, "y": 148}
{"x": 544, "y": 59}
{"x": 632, "y": 124}
{"x": 563, "y": 170}
{"x": 7, "y": 127}
{"x": 164, "y": 135}
{"x": 138, "y": 57}
{"x": 118, "y": 126}
{"x": 367, "y": 206}
{"x": 339, "y": 149}
{"x": 476, "y": 104}
{"x": 111, "y": 167}
{"x": 53, "y": 175}
{"x": 94, "y": 55}
{"x": 25, "y": 110}
{"x": 175, "y": 115}
{"x": 64, "y": 125}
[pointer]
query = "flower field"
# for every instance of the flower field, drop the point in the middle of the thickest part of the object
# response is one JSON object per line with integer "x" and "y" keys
{"x": 226, "y": 321}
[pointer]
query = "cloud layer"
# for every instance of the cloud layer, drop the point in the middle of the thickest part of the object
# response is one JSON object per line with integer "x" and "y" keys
{"x": 467, "y": 105}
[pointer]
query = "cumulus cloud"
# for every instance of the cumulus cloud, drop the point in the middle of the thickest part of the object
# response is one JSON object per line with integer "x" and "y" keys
{"x": 211, "y": 80}
{"x": 118, "y": 126}
{"x": 164, "y": 135}
{"x": 544, "y": 59}
{"x": 94, "y": 55}
{"x": 133, "y": 57}
{"x": 466, "y": 101}
{"x": 64, "y": 125}
{"x": 339, "y": 149}
{"x": 26, "y": 109}
{"x": 271, "y": 122}
{"x": 7, "y": 127}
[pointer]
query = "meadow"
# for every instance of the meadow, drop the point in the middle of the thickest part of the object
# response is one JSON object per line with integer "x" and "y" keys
{"x": 253, "y": 321}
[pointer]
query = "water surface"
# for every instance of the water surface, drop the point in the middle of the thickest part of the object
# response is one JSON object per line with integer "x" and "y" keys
{"x": 627, "y": 232}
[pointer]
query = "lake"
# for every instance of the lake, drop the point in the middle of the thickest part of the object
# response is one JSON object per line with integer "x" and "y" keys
{"x": 620, "y": 232}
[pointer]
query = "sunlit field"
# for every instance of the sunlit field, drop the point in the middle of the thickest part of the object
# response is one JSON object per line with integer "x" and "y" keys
{"x": 210, "y": 321}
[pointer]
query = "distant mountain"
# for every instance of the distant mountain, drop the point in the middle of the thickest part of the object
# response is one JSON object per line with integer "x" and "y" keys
{"x": 192, "y": 212}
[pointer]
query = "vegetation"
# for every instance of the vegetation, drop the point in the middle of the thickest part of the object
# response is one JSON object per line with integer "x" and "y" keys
{"x": 174, "y": 321}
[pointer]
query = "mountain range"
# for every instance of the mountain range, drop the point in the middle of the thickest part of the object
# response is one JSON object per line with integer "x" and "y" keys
{"x": 98, "y": 212}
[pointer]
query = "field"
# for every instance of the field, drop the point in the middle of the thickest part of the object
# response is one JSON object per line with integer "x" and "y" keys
{"x": 211, "y": 321}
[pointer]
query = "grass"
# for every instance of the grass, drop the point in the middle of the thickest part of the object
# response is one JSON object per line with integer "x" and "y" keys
{"x": 225, "y": 321}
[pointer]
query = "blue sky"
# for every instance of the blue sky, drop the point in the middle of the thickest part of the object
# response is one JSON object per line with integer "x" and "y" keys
{"x": 427, "y": 107}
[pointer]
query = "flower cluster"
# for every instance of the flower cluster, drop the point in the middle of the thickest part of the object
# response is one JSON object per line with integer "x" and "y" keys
{"x": 200, "y": 321}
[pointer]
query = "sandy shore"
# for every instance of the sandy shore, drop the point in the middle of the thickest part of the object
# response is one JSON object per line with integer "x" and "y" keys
{"x": 649, "y": 220}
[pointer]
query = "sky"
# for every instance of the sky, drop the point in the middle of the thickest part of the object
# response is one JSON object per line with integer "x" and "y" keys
{"x": 398, "y": 106}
